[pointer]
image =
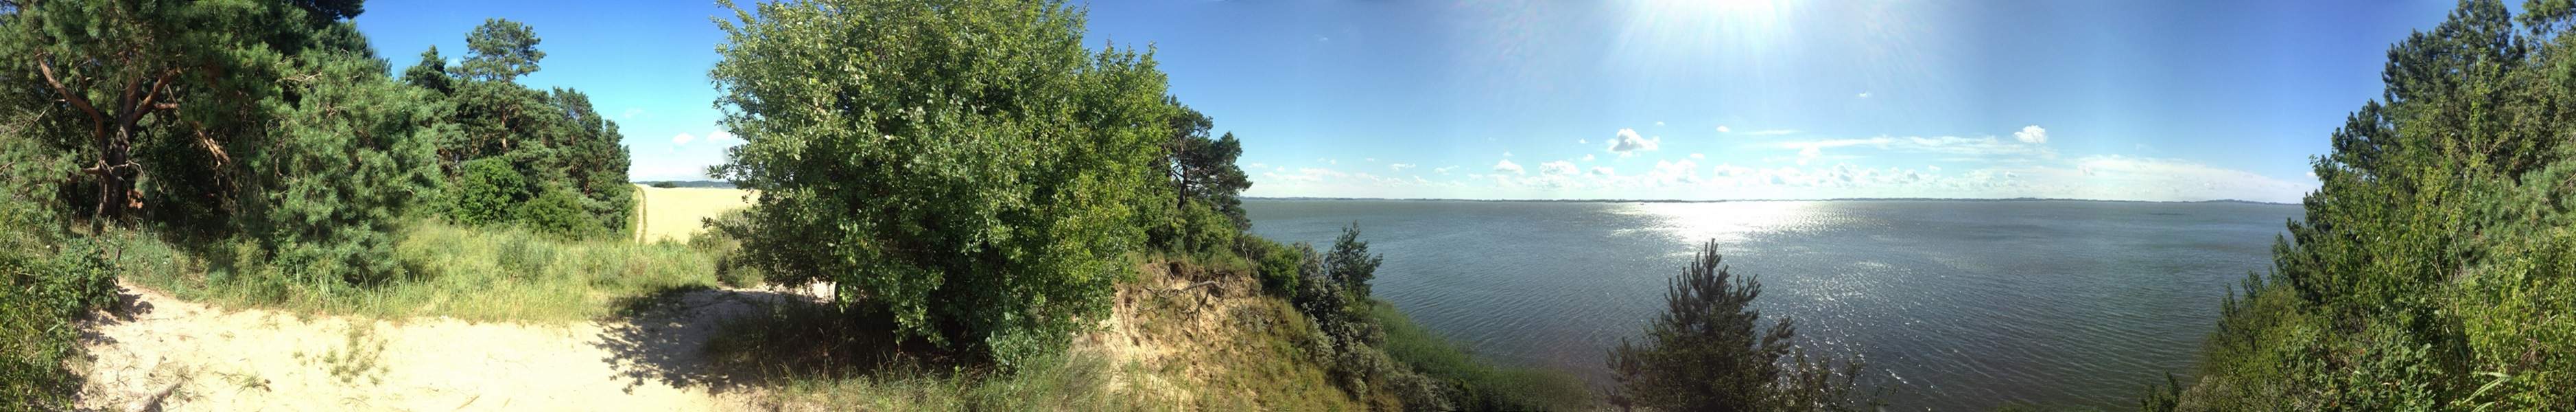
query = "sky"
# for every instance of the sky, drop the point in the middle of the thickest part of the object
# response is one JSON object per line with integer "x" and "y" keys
{"x": 1652, "y": 99}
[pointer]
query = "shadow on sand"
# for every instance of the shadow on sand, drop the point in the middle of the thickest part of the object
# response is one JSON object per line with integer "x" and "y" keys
{"x": 723, "y": 340}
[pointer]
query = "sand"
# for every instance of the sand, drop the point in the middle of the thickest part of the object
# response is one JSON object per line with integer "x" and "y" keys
{"x": 157, "y": 352}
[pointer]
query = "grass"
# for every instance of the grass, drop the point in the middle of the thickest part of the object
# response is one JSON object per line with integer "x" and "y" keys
{"x": 481, "y": 274}
{"x": 1254, "y": 358}
{"x": 1484, "y": 385}
{"x": 674, "y": 214}
{"x": 819, "y": 355}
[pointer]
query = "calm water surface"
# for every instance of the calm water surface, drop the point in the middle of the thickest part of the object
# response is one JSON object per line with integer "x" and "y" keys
{"x": 1968, "y": 304}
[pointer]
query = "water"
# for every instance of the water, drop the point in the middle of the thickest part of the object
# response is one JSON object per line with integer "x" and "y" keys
{"x": 1967, "y": 304}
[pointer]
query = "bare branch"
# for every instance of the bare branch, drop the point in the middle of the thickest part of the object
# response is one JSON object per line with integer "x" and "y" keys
{"x": 98, "y": 121}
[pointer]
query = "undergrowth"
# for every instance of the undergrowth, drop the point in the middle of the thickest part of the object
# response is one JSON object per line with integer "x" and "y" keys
{"x": 481, "y": 274}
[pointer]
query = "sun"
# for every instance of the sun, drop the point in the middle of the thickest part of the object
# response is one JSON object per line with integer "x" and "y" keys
{"x": 1703, "y": 25}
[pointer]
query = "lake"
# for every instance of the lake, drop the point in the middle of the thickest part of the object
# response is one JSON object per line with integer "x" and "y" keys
{"x": 1966, "y": 304}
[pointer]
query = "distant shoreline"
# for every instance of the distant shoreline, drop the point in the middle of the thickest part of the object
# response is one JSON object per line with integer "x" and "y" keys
{"x": 1843, "y": 199}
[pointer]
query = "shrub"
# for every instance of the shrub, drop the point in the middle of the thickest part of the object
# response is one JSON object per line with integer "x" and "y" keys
{"x": 1704, "y": 353}
{"x": 1278, "y": 264}
{"x": 48, "y": 278}
{"x": 488, "y": 192}
{"x": 1477, "y": 384}
{"x": 976, "y": 173}
{"x": 559, "y": 213}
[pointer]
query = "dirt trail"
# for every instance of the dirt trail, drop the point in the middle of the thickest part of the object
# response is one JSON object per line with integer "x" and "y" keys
{"x": 156, "y": 351}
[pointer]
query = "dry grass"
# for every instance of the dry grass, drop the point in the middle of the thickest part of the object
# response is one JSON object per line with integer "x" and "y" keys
{"x": 674, "y": 214}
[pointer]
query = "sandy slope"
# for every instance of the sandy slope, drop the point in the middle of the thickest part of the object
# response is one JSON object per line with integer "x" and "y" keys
{"x": 160, "y": 351}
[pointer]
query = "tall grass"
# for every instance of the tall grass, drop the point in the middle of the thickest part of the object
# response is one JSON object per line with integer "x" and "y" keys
{"x": 482, "y": 273}
{"x": 813, "y": 355}
{"x": 1479, "y": 383}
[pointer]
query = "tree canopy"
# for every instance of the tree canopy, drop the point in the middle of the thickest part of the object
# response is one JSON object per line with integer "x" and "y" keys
{"x": 967, "y": 166}
{"x": 2432, "y": 267}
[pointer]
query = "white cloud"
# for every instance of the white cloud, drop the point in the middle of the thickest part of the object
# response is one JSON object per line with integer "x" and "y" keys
{"x": 1698, "y": 156}
{"x": 682, "y": 139}
{"x": 1864, "y": 95}
{"x": 1507, "y": 154}
{"x": 1587, "y": 157}
{"x": 630, "y": 113}
{"x": 1629, "y": 143}
{"x": 1932, "y": 168}
{"x": 1971, "y": 148}
{"x": 1255, "y": 165}
{"x": 721, "y": 137}
{"x": 1659, "y": 123}
{"x": 1582, "y": 141}
{"x": 1603, "y": 171}
{"x": 1558, "y": 168}
{"x": 1370, "y": 160}
{"x": 1506, "y": 166}
{"x": 2031, "y": 134}
{"x": 1399, "y": 166}
{"x": 1772, "y": 132}
{"x": 1809, "y": 153}
{"x": 1444, "y": 170}
{"x": 1722, "y": 129}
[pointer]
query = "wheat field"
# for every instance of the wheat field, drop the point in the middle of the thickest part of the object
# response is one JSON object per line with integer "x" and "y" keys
{"x": 675, "y": 214}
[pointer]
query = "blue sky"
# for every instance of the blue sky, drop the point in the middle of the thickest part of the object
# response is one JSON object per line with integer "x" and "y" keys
{"x": 1741, "y": 99}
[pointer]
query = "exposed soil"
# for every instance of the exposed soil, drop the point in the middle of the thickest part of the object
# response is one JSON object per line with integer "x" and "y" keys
{"x": 156, "y": 352}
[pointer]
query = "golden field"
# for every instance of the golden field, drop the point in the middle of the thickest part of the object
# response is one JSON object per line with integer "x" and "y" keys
{"x": 674, "y": 214}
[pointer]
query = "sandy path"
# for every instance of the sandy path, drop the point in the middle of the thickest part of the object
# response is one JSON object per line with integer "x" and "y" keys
{"x": 160, "y": 351}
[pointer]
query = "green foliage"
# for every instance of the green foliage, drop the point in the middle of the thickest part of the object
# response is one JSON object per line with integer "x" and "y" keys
{"x": 1279, "y": 264}
{"x": 967, "y": 165}
{"x": 472, "y": 273}
{"x": 2432, "y": 267}
{"x": 48, "y": 278}
{"x": 488, "y": 192}
{"x": 1201, "y": 172}
{"x": 1706, "y": 352}
{"x": 500, "y": 50}
{"x": 560, "y": 213}
{"x": 342, "y": 167}
{"x": 150, "y": 94}
{"x": 1476, "y": 384}
{"x": 555, "y": 141}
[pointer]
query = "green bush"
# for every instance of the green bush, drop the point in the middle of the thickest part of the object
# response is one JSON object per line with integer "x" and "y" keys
{"x": 1477, "y": 384}
{"x": 1278, "y": 264}
{"x": 49, "y": 277}
{"x": 559, "y": 213}
{"x": 977, "y": 172}
{"x": 488, "y": 192}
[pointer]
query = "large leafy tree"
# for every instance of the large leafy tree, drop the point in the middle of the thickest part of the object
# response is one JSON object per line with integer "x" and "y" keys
{"x": 965, "y": 165}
